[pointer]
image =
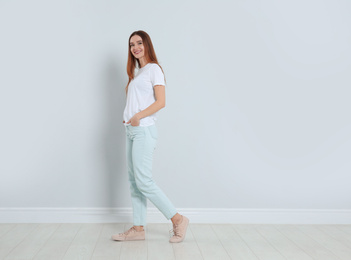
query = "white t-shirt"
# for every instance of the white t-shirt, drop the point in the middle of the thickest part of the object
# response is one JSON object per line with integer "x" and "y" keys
{"x": 141, "y": 93}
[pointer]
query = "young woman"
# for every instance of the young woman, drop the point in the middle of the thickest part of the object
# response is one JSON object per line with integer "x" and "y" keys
{"x": 145, "y": 96}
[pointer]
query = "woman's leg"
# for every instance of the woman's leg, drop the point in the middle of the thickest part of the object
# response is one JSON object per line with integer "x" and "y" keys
{"x": 138, "y": 199}
{"x": 144, "y": 141}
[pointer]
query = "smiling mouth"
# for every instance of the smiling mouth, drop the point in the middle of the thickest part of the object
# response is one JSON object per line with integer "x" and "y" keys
{"x": 137, "y": 52}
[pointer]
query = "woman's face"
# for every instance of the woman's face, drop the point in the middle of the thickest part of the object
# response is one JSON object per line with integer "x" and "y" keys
{"x": 137, "y": 46}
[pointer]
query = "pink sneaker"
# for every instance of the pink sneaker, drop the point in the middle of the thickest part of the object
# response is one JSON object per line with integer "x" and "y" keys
{"x": 130, "y": 234}
{"x": 179, "y": 230}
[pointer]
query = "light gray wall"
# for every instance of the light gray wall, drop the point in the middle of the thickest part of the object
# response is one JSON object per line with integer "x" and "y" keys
{"x": 257, "y": 104}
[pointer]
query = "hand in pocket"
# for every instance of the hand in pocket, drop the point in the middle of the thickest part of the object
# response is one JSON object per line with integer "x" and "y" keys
{"x": 134, "y": 121}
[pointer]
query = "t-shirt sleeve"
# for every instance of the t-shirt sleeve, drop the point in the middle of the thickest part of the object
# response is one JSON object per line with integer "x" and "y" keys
{"x": 157, "y": 77}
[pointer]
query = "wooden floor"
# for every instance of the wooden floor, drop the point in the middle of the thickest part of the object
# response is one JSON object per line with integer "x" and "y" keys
{"x": 203, "y": 241}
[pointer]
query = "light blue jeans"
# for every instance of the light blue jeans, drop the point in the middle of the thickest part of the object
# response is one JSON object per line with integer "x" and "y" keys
{"x": 140, "y": 145}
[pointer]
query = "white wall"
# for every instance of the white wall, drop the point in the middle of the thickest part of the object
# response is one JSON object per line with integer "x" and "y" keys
{"x": 257, "y": 109}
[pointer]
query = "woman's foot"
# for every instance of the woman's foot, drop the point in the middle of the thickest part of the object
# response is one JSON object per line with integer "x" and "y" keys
{"x": 179, "y": 229}
{"x": 177, "y": 218}
{"x": 139, "y": 228}
{"x": 130, "y": 234}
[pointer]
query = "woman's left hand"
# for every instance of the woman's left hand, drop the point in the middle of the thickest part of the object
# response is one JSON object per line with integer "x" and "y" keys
{"x": 134, "y": 121}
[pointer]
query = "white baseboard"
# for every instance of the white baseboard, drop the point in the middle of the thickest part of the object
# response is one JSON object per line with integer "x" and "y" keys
{"x": 196, "y": 215}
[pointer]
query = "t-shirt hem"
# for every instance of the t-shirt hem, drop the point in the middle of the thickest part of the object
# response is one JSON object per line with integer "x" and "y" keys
{"x": 163, "y": 84}
{"x": 141, "y": 125}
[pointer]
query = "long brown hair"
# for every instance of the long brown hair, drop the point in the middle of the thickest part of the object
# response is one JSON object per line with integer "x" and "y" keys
{"x": 149, "y": 53}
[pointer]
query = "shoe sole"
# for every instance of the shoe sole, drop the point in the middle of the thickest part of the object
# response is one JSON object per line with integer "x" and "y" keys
{"x": 123, "y": 239}
{"x": 128, "y": 239}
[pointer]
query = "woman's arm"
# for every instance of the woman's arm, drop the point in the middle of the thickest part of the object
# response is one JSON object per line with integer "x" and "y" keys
{"x": 157, "y": 105}
{"x": 153, "y": 108}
